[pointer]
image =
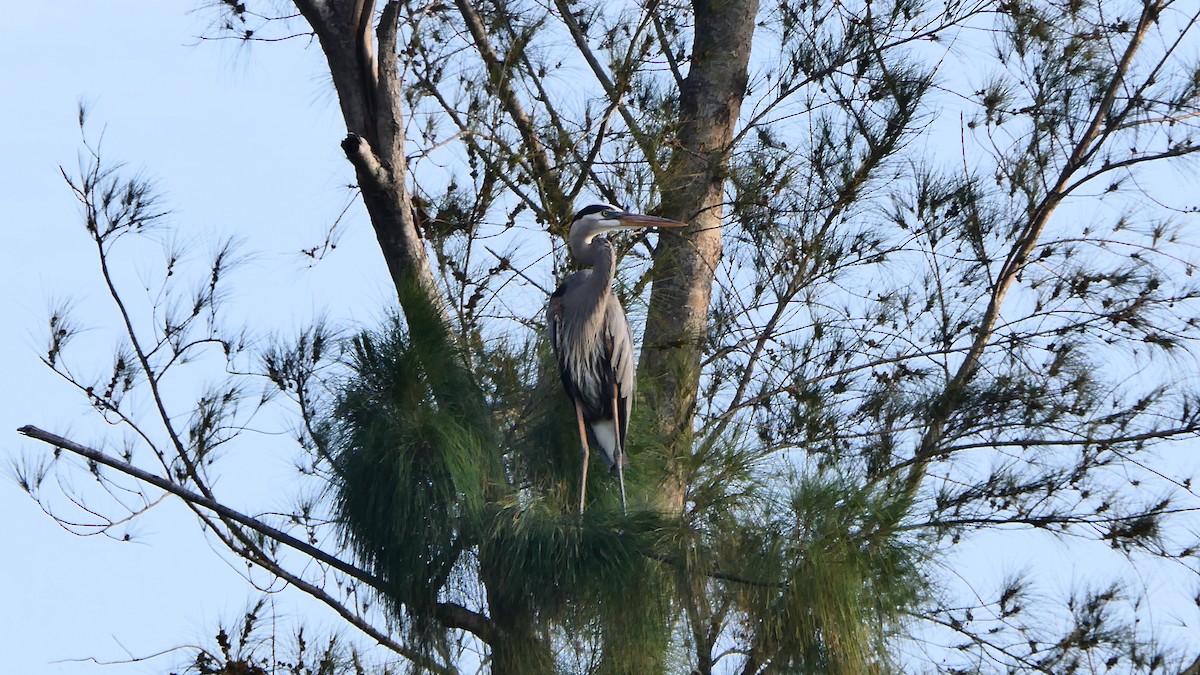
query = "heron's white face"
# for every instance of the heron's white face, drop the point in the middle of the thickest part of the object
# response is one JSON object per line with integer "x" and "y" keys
{"x": 601, "y": 218}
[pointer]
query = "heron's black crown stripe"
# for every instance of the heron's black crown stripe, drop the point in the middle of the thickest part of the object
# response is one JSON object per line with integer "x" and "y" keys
{"x": 587, "y": 210}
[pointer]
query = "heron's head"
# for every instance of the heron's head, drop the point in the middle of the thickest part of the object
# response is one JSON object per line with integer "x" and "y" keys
{"x": 597, "y": 219}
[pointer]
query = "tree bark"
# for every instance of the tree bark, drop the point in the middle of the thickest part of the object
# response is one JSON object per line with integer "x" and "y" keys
{"x": 684, "y": 265}
{"x": 368, "y": 88}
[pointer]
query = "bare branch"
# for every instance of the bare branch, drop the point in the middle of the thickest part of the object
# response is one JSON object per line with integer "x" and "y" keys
{"x": 462, "y": 617}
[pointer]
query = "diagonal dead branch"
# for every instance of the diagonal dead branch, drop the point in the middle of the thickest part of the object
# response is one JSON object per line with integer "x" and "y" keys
{"x": 453, "y": 615}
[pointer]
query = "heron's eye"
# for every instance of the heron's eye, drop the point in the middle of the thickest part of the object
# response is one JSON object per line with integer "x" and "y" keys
{"x": 609, "y": 213}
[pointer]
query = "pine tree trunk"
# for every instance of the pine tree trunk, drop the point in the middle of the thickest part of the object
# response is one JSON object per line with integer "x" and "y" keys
{"x": 684, "y": 266}
{"x": 368, "y": 88}
{"x": 517, "y": 648}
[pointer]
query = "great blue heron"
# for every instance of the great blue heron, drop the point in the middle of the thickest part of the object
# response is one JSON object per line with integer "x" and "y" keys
{"x": 591, "y": 338}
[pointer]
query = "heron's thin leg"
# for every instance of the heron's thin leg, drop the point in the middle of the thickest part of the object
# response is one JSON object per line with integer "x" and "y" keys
{"x": 583, "y": 444}
{"x": 620, "y": 451}
{"x": 621, "y": 482}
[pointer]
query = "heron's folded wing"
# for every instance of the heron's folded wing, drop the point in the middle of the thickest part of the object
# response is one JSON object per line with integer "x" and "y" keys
{"x": 619, "y": 343}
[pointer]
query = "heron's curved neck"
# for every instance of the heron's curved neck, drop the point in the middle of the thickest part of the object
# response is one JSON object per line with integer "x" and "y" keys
{"x": 595, "y": 250}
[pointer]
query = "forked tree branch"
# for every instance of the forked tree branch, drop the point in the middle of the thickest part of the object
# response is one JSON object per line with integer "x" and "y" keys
{"x": 544, "y": 176}
{"x": 615, "y": 91}
{"x": 1087, "y": 145}
{"x": 85, "y": 192}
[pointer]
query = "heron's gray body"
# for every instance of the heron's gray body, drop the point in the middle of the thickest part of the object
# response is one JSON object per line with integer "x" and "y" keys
{"x": 600, "y": 375}
{"x": 591, "y": 337}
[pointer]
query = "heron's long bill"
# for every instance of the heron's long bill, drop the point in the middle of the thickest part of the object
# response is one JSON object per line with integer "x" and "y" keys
{"x": 640, "y": 220}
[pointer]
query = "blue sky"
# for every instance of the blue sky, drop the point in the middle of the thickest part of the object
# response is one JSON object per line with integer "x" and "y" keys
{"x": 241, "y": 143}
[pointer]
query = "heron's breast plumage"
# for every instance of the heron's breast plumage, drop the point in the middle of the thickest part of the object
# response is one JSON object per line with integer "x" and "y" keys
{"x": 583, "y": 349}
